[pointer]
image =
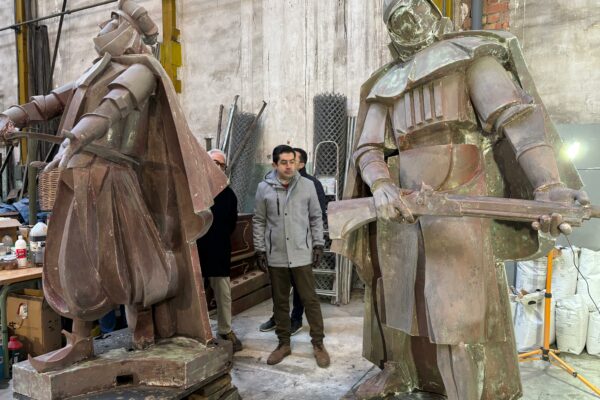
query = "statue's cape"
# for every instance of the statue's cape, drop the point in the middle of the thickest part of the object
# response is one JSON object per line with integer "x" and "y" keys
{"x": 455, "y": 51}
{"x": 178, "y": 181}
{"x": 196, "y": 182}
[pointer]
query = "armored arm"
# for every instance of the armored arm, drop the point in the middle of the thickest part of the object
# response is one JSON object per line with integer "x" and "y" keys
{"x": 369, "y": 158}
{"x": 129, "y": 91}
{"x": 505, "y": 110}
{"x": 40, "y": 108}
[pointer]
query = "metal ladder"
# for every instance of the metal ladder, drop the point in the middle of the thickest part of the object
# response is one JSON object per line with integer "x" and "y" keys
{"x": 327, "y": 273}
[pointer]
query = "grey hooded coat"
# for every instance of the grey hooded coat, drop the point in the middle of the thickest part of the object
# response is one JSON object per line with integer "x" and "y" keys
{"x": 287, "y": 223}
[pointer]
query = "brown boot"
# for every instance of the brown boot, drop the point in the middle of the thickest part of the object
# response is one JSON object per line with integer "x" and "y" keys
{"x": 321, "y": 355}
{"x": 281, "y": 352}
{"x": 237, "y": 344}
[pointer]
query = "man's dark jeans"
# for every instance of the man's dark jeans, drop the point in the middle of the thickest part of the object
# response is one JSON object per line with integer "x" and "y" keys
{"x": 281, "y": 281}
{"x": 298, "y": 308}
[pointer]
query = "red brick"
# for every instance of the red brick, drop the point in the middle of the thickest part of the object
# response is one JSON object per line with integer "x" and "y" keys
{"x": 490, "y": 19}
{"x": 496, "y": 8}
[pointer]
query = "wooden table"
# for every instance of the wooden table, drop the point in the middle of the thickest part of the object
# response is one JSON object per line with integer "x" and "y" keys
{"x": 10, "y": 281}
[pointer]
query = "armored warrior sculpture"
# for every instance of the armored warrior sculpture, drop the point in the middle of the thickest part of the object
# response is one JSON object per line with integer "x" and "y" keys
{"x": 458, "y": 113}
{"x": 133, "y": 197}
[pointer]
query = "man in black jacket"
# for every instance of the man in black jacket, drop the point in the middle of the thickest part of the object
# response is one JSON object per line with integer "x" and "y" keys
{"x": 215, "y": 253}
{"x": 298, "y": 309}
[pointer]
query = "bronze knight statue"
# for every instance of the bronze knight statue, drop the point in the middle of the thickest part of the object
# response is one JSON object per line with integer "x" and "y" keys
{"x": 134, "y": 195}
{"x": 453, "y": 114}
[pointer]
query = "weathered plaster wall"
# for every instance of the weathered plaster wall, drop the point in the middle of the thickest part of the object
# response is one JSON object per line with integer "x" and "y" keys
{"x": 284, "y": 52}
{"x": 8, "y": 57}
{"x": 561, "y": 43}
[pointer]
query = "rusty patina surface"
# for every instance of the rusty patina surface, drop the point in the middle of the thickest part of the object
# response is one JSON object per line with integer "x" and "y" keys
{"x": 133, "y": 197}
{"x": 458, "y": 114}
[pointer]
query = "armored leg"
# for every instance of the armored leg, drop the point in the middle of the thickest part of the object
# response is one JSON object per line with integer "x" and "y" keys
{"x": 79, "y": 347}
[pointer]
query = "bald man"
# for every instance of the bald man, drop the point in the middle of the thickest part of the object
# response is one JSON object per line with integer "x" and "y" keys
{"x": 215, "y": 253}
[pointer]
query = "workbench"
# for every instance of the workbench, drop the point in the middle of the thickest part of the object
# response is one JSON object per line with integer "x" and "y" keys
{"x": 11, "y": 281}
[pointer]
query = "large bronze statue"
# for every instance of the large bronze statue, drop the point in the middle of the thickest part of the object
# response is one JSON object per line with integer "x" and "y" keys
{"x": 133, "y": 197}
{"x": 454, "y": 114}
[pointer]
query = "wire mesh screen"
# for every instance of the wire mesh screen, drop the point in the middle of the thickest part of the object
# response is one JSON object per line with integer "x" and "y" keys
{"x": 327, "y": 261}
{"x": 330, "y": 124}
{"x": 324, "y": 282}
{"x": 242, "y": 172}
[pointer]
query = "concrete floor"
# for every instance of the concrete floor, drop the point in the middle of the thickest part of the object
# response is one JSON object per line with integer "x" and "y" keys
{"x": 298, "y": 377}
{"x": 298, "y": 374}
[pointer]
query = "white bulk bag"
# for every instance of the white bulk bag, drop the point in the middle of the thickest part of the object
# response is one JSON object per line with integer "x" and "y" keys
{"x": 572, "y": 317}
{"x": 589, "y": 265}
{"x": 564, "y": 274}
{"x": 529, "y": 322}
{"x": 593, "y": 336}
{"x": 531, "y": 275}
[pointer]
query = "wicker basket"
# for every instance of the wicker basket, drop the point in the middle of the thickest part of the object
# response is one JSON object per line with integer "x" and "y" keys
{"x": 47, "y": 185}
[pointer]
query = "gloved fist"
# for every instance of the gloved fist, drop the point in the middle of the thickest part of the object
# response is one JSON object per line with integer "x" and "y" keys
{"x": 6, "y": 126}
{"x": 389, "y": 203}
{"x": 553, "y": 224}
{"x": 261, "y": 261}
{"x": 317, "y": 255}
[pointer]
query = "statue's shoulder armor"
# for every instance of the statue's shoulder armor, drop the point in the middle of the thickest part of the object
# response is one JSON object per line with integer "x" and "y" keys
{"x": 454, "y": 51}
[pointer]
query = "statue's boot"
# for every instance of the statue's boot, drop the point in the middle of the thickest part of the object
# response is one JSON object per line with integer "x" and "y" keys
{"x": 141, "y": 322}
{"x": 393, "y": 379}
{"x": 80, "y": 346}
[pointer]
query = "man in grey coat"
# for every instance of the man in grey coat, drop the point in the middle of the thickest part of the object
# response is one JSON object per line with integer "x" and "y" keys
{"x": 288, "y": 238}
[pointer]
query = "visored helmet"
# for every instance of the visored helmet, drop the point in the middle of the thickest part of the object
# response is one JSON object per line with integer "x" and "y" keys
{"x": 127, "y": 31}
{"x": 414, "y": 25}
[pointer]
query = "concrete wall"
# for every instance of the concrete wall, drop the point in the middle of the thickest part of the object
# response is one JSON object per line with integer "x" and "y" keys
{"x": 561, "y": 42}
{"x": 8, "y": 57}
{"x": 284, "y": 52}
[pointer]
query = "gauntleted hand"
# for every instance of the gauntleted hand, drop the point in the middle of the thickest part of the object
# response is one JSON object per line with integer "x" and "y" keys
{"x": 389, "y": 203}
{"x": 553, "y": 224}
{"x": 261, "y": 261}
{"x": 317, "y": 255}
{"x": 6, "y": 126}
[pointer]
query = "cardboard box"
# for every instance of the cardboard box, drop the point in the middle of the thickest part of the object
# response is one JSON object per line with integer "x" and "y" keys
{"x": 10, "y": 227}
{"x": 40, "y": 330}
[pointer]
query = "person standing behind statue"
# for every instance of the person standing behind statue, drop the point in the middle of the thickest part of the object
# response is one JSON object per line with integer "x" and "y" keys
{"x": 298, "y": 308}
{"x": 288, "y": 238}
{"x": 214, "y": 249}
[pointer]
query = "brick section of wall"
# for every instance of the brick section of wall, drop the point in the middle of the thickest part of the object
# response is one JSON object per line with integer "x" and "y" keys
{"x": 496, "y": 15}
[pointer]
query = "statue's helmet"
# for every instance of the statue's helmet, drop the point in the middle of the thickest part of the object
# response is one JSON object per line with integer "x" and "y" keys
{"x": 414, "y": 25}
{"x": 127, "y": 31}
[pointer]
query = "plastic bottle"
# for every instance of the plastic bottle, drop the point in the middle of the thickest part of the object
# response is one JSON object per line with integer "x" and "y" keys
{"x": 14, "y": 347}
{"x": 37, "y": 243}
{"x": 21, "y": 250}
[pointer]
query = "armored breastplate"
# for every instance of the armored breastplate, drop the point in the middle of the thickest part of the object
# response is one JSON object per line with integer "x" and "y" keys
{"x": 127, "y": 136}
{"x": 437, "y": 134}
{"x": 434, "y": 113}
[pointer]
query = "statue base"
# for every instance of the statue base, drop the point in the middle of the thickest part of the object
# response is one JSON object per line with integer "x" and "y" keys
{"x": 171, "y": 369}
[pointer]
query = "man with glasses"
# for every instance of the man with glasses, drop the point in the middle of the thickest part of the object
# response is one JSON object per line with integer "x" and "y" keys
{"x": 298, "y": 308}
{"x": 288, "y": 238}
{"x": 215, "y": 253}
